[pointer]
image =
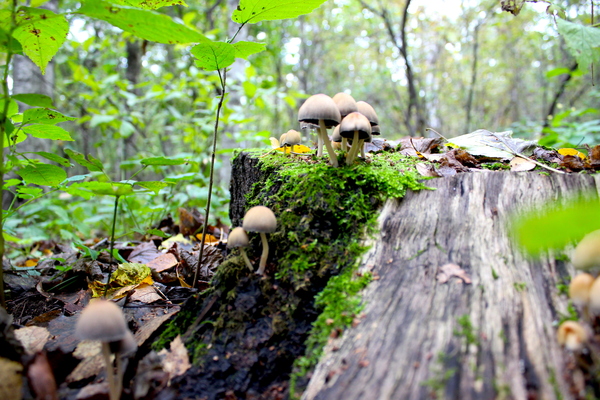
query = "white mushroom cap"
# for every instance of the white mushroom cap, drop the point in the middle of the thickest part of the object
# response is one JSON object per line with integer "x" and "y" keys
{"x": 587, "y": 252}
{"x": 237, "y": 238}
{"x": 260, "y": 219}
{"x": 579, "y": 289}
{"x": 355, "y": 122}
{"x": 292, "y": 138}
{"x": 101, "y": 320}
{"x": 368, "y": 111}
{"x": 572, "y": 335}
{"x": 319, "y": 107}
{"x": 125, "y": 346}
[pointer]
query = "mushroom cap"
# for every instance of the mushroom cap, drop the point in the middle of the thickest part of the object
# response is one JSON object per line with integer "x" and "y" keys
{"x": 260, "y": 219}
{"x": 125, "y": 346}
{"x": 335, "y": 135}
{"x": 355, "y": 122}
{"x": 587, "y": 252}
{"x": 594, "y": 299}
{"x": 319, "y": 107}
{"x": 375, "y": 130}
{"x": 368, "y": 111}
{"x": 292, "y": 138}
{"x": 101, "y": 320}
{"x": 572, "y": 335}
{"x": 345, "y": 103}
{"x": 237, "y": 238}
{"x": 282, "y": 139}
{"x": 579, "y": 289}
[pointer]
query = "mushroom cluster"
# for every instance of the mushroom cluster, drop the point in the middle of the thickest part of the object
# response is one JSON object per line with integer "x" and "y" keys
{"x": 258, "y": 219}
{"x": 353, "y": 122}
{"x": 103, "y": 320}
{"x": 584, "y": 292}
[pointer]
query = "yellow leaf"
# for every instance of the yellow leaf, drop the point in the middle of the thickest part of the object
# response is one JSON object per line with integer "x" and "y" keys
{"x": 451, "y": 145}
{"x": 126, "y": 277}
{"x": 274, "y": 143}
{"x": 566, "y": 151}
{"x": 210, "y": 239}
{"x": 299, "y": 148}
{"x": 31, "y": 262}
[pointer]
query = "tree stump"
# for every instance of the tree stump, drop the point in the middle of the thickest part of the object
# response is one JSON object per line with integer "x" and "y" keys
{"x": 493, "y": 337}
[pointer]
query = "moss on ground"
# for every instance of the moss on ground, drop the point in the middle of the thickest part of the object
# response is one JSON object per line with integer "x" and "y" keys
{"x": 279, "y": 323}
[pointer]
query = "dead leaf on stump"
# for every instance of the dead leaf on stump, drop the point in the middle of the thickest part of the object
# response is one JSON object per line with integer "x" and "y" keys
{"x": 520, "y": 164}
{"x": 447, "y": 271}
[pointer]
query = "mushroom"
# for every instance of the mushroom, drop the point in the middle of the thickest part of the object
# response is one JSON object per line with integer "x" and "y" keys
{"x": 345, "y": 103}
{"x": 239, "y": 238}
{"x": 579, "y": 292}
{"x": 262, "y": 220}
{"x": 356, "y": 127}
{"x": 594, "y": 299}
{"x": 321, "y": 110}
{"x": 572, "y": 335}
{"x": 336, "y": 139}
{"x": 123, "y": 349}
{"x": 104, "y": 321}
{"x": 281, "y": 140}
{"x": 587, "y": 252}
{"x": 291, "y": 138}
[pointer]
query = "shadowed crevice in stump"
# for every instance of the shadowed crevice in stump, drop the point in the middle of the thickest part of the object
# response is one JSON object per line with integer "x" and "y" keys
{"x": 421, "y": 338}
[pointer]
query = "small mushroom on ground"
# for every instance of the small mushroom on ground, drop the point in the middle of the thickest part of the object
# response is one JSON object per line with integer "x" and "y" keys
{"x": 587, "y": 252}
{"x": 239, "y": 238}
{"x": 368, "y": 111}
{"x": 104, "y": 321}
{"x": 262, "y": 220}
{"x": 594, "y": 300}
{"x": 572, "y": 335}
{"x": 292, "y": 138}
{"x": 579, "y": 292}
{"x": 356, "y": 127}
{"x": 321, "y": 110}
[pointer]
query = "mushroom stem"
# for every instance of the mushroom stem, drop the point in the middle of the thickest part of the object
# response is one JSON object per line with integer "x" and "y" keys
{"x": 362, "y": 150}
{"x": 246, "y": 259}
{"x": 319, "y": 143}
{"x": 121, "y": 364}
{"x": 113, "y": 388}
{"x": 354, "y": 149}
{"x": 344, "y": 144}
{"x": 264, "y": 255}
{"x": 332, "y": 155}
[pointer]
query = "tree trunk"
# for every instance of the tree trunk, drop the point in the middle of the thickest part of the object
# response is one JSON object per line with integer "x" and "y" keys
{"x": 491, "y": 338}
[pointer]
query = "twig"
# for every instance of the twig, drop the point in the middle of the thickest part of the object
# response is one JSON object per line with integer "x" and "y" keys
{"x": 515, "y": 153}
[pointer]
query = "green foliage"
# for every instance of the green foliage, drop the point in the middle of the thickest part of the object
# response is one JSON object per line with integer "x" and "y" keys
{"x": 253, "y": 11}
{"x": 214, "y": 56}
{"x": 569, "y": 129}
{"x": 144, "y": 24}
{"x": 42, "y": 174}
{"x": 555, "y": 226}
{"x": 582, "y": 41}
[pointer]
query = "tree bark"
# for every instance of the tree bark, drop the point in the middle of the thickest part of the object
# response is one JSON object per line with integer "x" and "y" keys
{"x": 421, "y": 338}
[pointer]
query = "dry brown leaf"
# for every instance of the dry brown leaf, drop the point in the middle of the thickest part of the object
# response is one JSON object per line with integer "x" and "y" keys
{"x": 447, "y": 271}
{"x": 144, "y": 253}
{"x": 519, "y": 164}
{"x": 426, "y": 170}
{"x": 33, "y": 338}
{"x": 573, "y": 163}
{"x": 41, "y": 378}
{"x": 87, "y": 349}
{"x": 87, "y": 368}
{"x": 190, "y": 221}
{"x": 145, "y": 294}
{"x": 163, "y": 262}
{"x": 93, "y": 391}
{"x": 175, "y": 361}
{"x": 11, "y": 382}
{"x": 594, "y": 154}
{"x": 148, "y": 329}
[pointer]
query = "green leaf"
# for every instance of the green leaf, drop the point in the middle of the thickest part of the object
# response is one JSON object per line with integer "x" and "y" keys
{"x": 105, "y": 188}
{"x": 157, "y": 232}
{"x": 101, "y": 119}
{"x": 81, "y": 160}
{"x": 44, "y": 116}
{"x": 145, "y": 24}
{"x": 7, "y": 41}
{"x": 53, "y": 157}
{"x": 188, "y": 176}
{"x": 29, "y": 192}
{"x": 253, "y": 11}
{"x": 582, "y": 41}
{"x": 214, "y": 55}
{"x": 557, "y": 71}
{"x": 245, "y": 49}
{"x": 13, "y": 107}
{"x": 154, "y": 186}
{"x": 150, "y": 4}
{"x": 162, "y": 161}
{"x": 15, "y": 138}
{"x": 52, "y": 132}
{"x": 41, "y": 33}
{"x": 554, "y": 228}
{"x": 42, "y": 174}
{"x": 34, "y": 100}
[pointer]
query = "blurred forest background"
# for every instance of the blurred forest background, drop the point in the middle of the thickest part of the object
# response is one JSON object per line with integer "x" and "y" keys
{"x": 454, "y": 66}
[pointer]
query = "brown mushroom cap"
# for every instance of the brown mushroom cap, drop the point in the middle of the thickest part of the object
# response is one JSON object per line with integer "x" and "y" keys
{"x": 355, "y": 122}
{"x": 572, "y": 335}
{"x": 579, "y": 289}
{"x": 319, "y": 107}
{"x": 368, "y": 111}
{"x": 101, "y": 320}
{"x": 260, "y": 219}
{"x": 345, "y": 103}
{"x": 292, "y": 138}
{"x": 587, "y": 252}
{"x": 237, "y": 238}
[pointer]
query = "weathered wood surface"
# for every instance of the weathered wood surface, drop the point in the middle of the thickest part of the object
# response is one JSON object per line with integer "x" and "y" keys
{"x": 409, "y": 345}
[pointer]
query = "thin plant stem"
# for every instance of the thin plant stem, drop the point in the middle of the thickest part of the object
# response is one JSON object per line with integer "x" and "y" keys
{"x": 223, "y": 80}
{"x": 112, "y": 243}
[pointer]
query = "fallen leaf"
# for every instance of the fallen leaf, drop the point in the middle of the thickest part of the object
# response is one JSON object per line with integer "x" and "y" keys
{"x": 210, "y": 239}
{"x": 447, "y": 271}
{"x": 93, "y": 391}
{"x": 125, "y": 278}
{"x": 175, "y": 361}
{"x": 190, "y": 221}
{"x": 144, "y": 253}
{"x": 163, "y": 262}
{"x": 594, "y": 153}
{"x": 156, "y": 322}
{"x": 33, "y": 338}
{"x": 520, "y": 164}
{"x": 573, "y": 163}
{"x": 145, "y": 294}
{"x": 492, "y": 144}
{"x": 566, "y": 151}
{"x": 426, "y": 170}
{"x": 179, "y": 239}
{"x": 41, "y": 379}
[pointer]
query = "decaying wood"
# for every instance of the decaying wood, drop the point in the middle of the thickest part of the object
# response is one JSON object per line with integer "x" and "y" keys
{"x": 411, "y": 344}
